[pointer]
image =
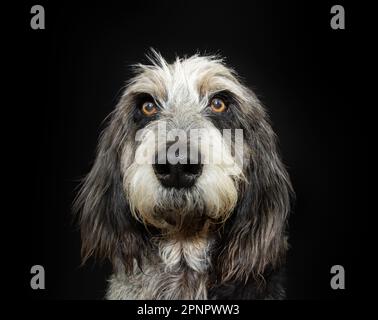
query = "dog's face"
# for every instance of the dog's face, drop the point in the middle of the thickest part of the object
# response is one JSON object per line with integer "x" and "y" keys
{"x": 188, "y": 148}
{"x": 182, "y": 161}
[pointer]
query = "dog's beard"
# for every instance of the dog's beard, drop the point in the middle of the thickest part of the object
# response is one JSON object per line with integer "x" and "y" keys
{"x": 184, "y": 211}
{"x": 181, "y": 211}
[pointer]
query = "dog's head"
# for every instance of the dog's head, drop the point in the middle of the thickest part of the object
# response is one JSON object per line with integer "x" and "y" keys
{"x": 187, "y": 150}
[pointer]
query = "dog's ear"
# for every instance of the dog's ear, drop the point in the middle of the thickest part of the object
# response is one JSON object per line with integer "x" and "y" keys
{"x": 107, "y": 227}
{"x": 254, "y": 237}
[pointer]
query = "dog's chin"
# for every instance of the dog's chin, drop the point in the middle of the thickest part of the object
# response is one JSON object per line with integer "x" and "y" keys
{"x": 181, "y": 212}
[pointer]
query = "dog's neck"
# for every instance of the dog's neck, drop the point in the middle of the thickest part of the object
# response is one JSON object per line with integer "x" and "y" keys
{"x": 179, "y": 269}
{"x": 192, "y": 253}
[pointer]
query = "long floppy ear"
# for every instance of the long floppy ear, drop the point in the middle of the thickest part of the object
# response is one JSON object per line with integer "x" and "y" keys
{"x": 107, "y": 227}
{"x": 254, "y": 237}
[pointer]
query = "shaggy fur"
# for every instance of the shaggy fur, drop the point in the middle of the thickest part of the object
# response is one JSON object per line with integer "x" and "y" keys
{"x": 222, "y": 238}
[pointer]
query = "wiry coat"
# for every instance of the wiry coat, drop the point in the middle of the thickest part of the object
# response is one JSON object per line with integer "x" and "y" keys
{"x": 228, "y": 235}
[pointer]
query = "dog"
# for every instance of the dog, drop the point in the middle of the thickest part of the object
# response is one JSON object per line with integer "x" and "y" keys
{"x": 200, "y": 217}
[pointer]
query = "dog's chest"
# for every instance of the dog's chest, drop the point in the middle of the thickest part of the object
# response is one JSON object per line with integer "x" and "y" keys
{"x": 179, "y": 270}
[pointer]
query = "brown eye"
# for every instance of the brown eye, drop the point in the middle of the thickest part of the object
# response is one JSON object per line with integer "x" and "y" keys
{"x": 218, "y": 105}
{"x": 149, "y": 108}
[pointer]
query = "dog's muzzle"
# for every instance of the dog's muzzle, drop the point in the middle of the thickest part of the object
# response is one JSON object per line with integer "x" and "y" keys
{"x": 182, "y": 174}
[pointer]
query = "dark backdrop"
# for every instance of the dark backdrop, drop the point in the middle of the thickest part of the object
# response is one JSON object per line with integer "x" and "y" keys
{"x": 69, "y": 77}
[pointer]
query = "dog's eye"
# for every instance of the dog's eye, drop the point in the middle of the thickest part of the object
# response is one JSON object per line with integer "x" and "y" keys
{"x": 218, "y": 105}
{"x": 149, "y": 108}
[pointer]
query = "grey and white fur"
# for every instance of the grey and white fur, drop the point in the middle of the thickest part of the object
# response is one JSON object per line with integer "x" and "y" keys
{"x": 223, "y": 235}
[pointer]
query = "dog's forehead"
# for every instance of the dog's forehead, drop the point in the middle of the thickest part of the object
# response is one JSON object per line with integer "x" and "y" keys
{"x": 190, "y": 79}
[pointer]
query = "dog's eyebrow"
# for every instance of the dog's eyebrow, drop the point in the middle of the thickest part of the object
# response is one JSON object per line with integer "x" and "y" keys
{"x": 213, "y": 85}
{"x": 147, "y": 85}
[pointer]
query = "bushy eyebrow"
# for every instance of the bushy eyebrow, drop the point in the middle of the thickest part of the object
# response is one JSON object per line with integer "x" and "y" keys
{"x": 209, "y": 85}
{"x": 147, "y": 84}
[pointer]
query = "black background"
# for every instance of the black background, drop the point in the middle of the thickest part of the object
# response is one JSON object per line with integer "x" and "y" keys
{"x": 68, "y": 77}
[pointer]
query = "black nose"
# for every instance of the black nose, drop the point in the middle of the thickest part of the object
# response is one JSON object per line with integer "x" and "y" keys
{"x": 178, "y": 175}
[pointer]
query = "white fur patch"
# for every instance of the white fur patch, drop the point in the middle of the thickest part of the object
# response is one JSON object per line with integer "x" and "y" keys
{"x": 167, "y": 277}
